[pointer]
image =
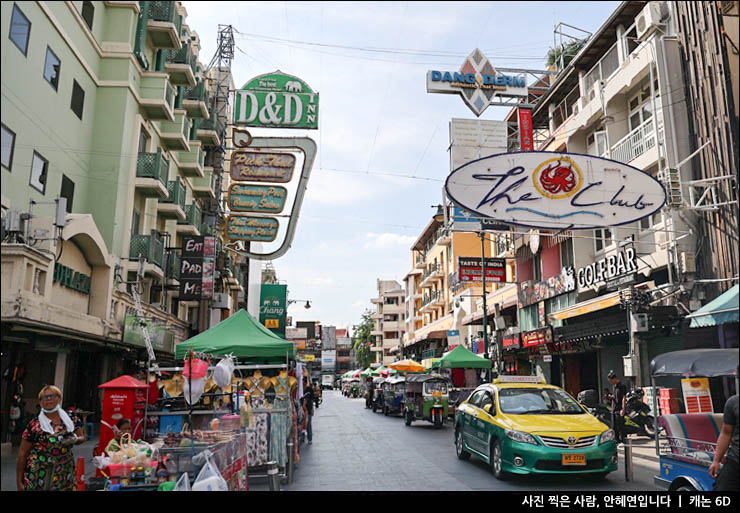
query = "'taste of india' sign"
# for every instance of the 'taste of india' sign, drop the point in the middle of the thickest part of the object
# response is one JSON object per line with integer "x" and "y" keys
{"x": 268, "y": 199}
{"x": 256, "y": 166}
{"x": 261, "y": 229}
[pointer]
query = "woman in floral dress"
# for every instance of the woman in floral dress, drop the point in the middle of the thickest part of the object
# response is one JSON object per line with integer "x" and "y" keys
{"x": 45, "y": 459}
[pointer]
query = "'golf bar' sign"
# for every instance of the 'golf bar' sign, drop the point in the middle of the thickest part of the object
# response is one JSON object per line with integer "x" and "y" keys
{"x": 555, "y": 190}
{"x": 277, "y": 100}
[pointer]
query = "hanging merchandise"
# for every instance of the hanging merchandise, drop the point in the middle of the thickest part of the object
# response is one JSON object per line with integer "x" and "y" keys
{"x": 223, "y": 372}
{"x": 199, "y": 367}
{"x": 194, "y": 390}
{"x": 183, "y": 484}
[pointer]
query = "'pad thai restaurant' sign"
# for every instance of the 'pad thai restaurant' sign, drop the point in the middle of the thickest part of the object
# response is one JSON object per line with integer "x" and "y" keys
{"x": 558, "y": 191}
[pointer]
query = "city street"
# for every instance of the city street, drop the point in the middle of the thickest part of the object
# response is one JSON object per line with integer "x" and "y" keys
{"x": 355, "y": 449}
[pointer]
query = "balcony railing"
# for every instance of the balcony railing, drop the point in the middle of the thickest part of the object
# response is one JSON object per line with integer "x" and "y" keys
{"x": 175, "y": 193}
{"x": 196, "y": 92}
{"x": 150, "y": 247}
{"x": 432, "y": 296}
{"x": 211, "y": 124}
{"x": 165, "y": 11}
{"x": 153, "y": 165}
{"x": 192, "y": 215}
{"x": 635, "y": 143}
{"x": 182, "y": 56}
{"x": 603, "y": 69}
{"x": 433, "y": 268}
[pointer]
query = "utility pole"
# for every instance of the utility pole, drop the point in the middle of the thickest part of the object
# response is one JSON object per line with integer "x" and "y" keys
{"x": 485, "y": 310}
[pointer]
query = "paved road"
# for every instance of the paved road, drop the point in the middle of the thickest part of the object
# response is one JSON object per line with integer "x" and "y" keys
{"x": 355, "y": 449}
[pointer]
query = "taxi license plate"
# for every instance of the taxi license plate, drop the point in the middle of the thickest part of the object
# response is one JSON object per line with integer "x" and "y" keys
{"x": 574, "y": 459}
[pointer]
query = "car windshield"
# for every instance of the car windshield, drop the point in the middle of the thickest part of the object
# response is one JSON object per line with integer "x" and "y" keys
{"x": 435, "y": 386}
{"x": 523, "y": 401}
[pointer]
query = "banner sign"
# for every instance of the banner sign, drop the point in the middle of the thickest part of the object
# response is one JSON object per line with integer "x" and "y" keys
{"x": 328, "y": 360}
{"x": 511, "y": 341}
{"x": 196, "y": 267}
{"x": 526, "y": 139}
{"x": 277, "y": 100}
{"x": 477, "y": 82}
{"x": 273, "y": 299}
{"x": 453, "y": 339}
{"x": 696, "y": 395}
{"x": 262, "y": 167}
{"x": 470, "y": 269}
{"x": 531, "y": 293}
{"x": 608, "y": 268}
{"x": 537, "y": 337}
{"x": 162, "y": 339}
{"x": 471, "y": 139}
{"x": 260, "y": 229}
{"x": 296, "y": 333}
{"x": 552, "y": 190}
{"x": 268, "y": 199}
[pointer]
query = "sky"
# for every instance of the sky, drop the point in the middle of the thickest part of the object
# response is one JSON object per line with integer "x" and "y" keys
{"x": 382, "y": 139}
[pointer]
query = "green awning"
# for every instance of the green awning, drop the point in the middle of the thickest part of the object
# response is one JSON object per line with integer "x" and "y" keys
{"x": 719, "y": 311}
{"x": 462, "y": 358}
{"x": 241, "y": 335}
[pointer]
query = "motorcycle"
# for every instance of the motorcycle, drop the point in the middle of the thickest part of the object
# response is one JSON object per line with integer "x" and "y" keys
{"x": 637, "y": 418}
{"x": 588, "y": 398}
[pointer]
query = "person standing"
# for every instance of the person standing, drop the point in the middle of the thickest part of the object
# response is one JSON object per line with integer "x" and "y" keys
{"x": 308, "y": 402}
{"x": 45, "y": 459}
{"x": 619, "y": 404}
{"x": 728, "y": 442}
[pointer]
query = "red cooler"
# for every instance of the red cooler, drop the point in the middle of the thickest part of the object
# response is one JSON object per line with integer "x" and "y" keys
{"x": 123, "y": 398}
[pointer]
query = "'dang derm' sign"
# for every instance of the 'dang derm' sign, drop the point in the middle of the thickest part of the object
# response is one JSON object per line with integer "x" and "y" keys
{"x": 555, "y": 190}
{"x": 277, "y": 100}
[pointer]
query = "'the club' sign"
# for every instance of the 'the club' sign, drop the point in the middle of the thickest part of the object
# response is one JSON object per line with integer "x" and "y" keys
{"x": 555, "y": 190}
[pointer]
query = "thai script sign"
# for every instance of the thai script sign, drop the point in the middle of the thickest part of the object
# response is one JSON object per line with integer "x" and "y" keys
{"x": 262, "y": 229}
{"x": 277, "y": 100}
{"x": 608, "y": 268}
{"x": 71, "y": 279}
{"x": 470, "y": 269}
{"x": 537, "y": 337}
{"x": 255, "y": 166}
{"x": 555, "y": 190}
{"x": 273, "y": 299}
{"x": 477, "y": 82}
{"x": 196, "y": 267}
{"x": 531, "y": 293}
{"x": 257, "y": 198}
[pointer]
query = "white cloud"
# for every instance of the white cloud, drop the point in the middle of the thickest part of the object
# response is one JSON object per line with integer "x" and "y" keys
{"x": 387, "y": 240}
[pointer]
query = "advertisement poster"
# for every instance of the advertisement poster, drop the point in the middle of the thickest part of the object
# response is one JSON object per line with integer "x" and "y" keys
{"x": 696, "y": 395}
{"x": 273, "y": 307}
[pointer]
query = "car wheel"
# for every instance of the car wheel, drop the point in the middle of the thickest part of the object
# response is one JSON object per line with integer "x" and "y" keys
{"x": 459, "y": 449}
{"x": 685, "y": 488}
{"x": 497, "y": 461}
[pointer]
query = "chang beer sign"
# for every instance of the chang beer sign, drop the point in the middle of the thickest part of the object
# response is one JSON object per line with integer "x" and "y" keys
{"x": 273, "y": 300}
{"x": 277, "y": 100}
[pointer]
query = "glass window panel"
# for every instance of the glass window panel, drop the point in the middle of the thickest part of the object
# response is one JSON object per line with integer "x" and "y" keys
{"x": 20, "y": 29}
{"x": 39, "y": 169}
{"x": 634, "y": 121}
{"x": 51, "y": 68}
{"x": 8, "y": 146}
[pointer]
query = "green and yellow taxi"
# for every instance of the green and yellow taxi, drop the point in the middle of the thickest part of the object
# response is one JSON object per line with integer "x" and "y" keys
{"x": 521, "y": 425}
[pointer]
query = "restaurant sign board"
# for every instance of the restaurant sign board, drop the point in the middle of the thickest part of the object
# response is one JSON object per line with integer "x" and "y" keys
{"x": 537, "y": 337}
{"x": 470, "y": 269}
{"x": 552, "y": 190}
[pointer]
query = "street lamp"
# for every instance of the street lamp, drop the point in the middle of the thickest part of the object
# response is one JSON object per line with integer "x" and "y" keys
{"x": 306, "y": 306}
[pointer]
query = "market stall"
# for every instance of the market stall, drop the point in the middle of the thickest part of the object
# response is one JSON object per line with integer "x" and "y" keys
{"x": 464, "y": 367}
{"x": 232, "y": 405}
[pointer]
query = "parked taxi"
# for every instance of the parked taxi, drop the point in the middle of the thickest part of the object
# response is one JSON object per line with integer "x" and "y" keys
{"x": 521, "y": 425}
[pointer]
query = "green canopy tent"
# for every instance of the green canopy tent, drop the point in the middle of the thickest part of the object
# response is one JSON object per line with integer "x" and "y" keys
{"x": 366, "y": 372}
{"x": 462, "y": 358}
{"x": 376, "y": 373}
{"x": 241, "y": 335}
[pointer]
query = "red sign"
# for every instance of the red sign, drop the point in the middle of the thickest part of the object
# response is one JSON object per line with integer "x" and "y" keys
{"x": 511, "y": 341}
{"x": 525, "y": 129}
{"x": 470, "y": 269}
{"x": 537, "y": 337}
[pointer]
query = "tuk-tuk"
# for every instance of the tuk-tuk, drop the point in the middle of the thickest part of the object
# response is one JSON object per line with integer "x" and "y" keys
{"x": 377, "y": 402}
{"x": 426, "y": 398}
{"x": 686, "y": 442}
{"x": 354, "y": 388}
{"x": 393, "y": 390}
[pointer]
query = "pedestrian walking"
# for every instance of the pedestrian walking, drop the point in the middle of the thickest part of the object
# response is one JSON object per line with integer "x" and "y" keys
{"x": 308, "y": 402}
{"x": 619, "y": 404}
{"x": 45, "y": 459}
{"x": 728, "y": 442}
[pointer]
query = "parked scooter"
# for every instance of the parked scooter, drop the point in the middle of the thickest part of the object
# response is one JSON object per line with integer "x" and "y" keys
{"x": 589, "y": 399}
{"x": 637, "y": 418}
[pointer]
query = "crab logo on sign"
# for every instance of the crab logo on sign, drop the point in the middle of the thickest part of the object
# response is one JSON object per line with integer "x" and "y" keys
{"x": 557, "y": 178}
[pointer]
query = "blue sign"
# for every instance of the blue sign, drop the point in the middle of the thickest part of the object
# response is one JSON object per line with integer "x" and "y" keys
{"x": 484, "y": 79}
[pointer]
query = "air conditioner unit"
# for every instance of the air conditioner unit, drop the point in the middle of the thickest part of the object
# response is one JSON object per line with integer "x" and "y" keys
{"x": 649, "y": 19}
{"x": 688, "y": 262}
{"x": 221, "y": 300}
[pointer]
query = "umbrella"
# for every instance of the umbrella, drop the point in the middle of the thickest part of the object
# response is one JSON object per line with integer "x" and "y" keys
{"x": 376, "y": 373}
{"x": 357, "y": 373}
{"x": 388, "y": 372}
{"x": 408, "y": 366}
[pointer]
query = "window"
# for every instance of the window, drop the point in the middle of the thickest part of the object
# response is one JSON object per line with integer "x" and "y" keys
{"x": 20, "y": 29}
{"x": 641, "y": 105}
{"x": 88, "y": 12}
{"x": 603, "y": 238}
{"x": 143, "y": 141}
{"x": 475, "y": 400}
{"x": 529, "y": 317}
{"x": 78, "y": 99}
{"x": 52, "y": 67}
{"x": 567, "y": 258}
{"x": 68, "y": 191}
{"x": 39, "y": 170}
{"x": 596, "y": 143}
{"x": 8, "y": 146}
{"x": 537, "y": 266}
{"x": 135, "y": 223}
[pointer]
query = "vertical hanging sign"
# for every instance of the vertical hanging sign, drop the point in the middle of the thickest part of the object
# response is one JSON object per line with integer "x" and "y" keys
{"x": 196, "y": 268}
{"x": 525, "y": 129}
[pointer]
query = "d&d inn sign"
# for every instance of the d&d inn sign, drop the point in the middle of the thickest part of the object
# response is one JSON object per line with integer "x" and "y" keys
{"x": 277, "y": 100}
{"x": 558, "y": 191}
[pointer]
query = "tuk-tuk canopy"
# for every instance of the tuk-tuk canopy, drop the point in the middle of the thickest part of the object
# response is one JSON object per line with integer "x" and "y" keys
{"x": 377, "y": 381}
{"x": 423, "y": 378}
{"x": 462, "y": 358}
{"x": 696, "y": 362}
{"x": 396, "y": 379}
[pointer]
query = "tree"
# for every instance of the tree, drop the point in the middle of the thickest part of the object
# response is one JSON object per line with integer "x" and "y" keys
{"x": 363, "y": 340}
{"x": 568, "y": 51}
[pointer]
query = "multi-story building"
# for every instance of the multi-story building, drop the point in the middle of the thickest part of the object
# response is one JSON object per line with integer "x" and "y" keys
{"x": 389, "y": 319}
{"x": 344, "y": 351}
{"x": 107, "y": 106}
{"x": 623, "y": 98}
